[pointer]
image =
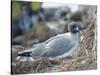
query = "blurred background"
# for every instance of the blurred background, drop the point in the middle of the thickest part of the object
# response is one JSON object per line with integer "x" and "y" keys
{"x": 35, "y": 22}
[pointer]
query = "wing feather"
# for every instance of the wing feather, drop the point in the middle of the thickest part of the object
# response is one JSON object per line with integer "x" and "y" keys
{"x": 58, "y": 46}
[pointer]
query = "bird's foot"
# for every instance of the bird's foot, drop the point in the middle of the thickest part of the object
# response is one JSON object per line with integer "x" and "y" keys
{"x": 65, "y": 66}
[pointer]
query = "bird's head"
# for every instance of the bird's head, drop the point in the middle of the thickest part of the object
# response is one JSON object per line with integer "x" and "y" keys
{"x": 75, "y": 27}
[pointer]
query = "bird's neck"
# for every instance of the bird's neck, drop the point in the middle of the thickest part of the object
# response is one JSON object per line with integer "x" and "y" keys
{"x": 74, "y": 36}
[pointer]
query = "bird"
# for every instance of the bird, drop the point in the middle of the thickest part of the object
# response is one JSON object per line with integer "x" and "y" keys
{"x": 57, "y": 47}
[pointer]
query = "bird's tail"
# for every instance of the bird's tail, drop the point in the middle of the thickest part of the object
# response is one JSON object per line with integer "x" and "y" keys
{"x": 25, "y": 54}
{"x": 29, "y": 52}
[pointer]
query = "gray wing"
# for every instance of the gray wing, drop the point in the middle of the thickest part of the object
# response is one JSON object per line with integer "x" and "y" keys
{"x": 39, "y": 50}
{"x": 54, "y": 46}
{"x": 57, "y": 46}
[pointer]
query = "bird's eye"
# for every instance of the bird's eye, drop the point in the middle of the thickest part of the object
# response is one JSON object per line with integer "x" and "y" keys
{"x": 77, "y": 28}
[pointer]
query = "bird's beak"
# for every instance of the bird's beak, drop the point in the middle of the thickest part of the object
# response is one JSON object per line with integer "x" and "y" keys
{"x": 81, "y": 28}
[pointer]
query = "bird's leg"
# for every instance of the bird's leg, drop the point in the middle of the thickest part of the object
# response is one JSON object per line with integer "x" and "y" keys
{"x": 63, "y": 65}
{"x": 47, "y": 61}
{"x": 49, "y": 64}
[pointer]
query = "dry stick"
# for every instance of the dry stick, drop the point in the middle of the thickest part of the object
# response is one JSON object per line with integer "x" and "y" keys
{"x": 88, "y": 27}
{"x": 87, "y": 53}
{"x": 94, "y": 43}
{"x": 78, "y": 58}
{"x": 38, "y": 66}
